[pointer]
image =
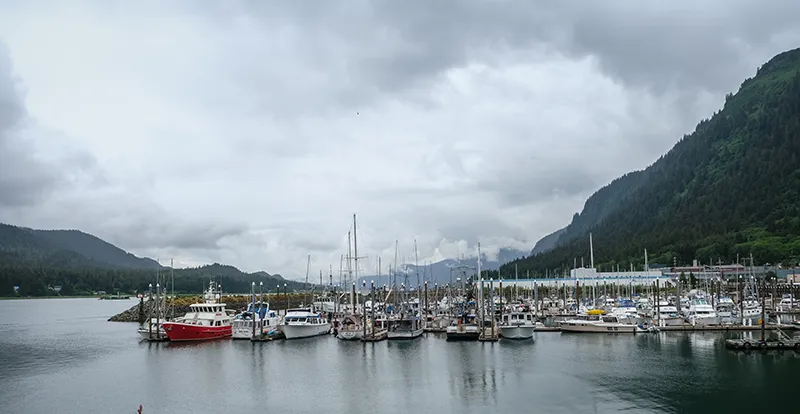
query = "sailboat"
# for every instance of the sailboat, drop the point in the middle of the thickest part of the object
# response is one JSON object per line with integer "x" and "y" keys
{"x": 408, "y": 324}
{"x": 464, "y": 326}
{"x": 153, "y": 329}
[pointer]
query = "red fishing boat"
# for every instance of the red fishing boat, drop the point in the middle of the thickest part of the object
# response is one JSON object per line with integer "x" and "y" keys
{"x": 208, "y": 320}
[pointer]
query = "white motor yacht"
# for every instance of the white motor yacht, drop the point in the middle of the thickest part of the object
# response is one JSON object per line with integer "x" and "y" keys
{"x": 598, "y": 324}
{"x": 701, "y": 313}
{"x": 304, "y": 323}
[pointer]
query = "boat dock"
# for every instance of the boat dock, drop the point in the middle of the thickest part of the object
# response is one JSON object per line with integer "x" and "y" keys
{"x": 268, "y": 338}
{"x": 489, "y": 334}
{"x": 784, "y": 342}
{"x": 377, "y": 337}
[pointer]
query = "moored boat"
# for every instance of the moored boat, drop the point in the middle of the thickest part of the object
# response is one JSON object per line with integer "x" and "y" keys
{"x": 517, "y": 325}
{"x": 463, "y": 329}
{"x": 598, "y": 324}
{"x": 204, "y": 321}
{"x": 266, "y": 321}
{"x": 405, "y": 327}
{"x": 351, "y": 328}
{"x": 304, "y": 323}
{"x": 154, "y": 330}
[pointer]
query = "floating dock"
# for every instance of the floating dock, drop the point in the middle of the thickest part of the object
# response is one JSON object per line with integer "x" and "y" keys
{"x": 489, "y": 335}
{"x": 267, "y": 338}
{"x": 377, "y": 337}
{"x": 784, "y": 342}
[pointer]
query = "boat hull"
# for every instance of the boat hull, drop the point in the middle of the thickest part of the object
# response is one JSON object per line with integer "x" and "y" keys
{"x": 188, "y": 332}
{"x": 353, "y": 335}
{"x": 155, "y": 335}
{"x": 305, "y": 331}
{"x": 671, "y": 321}
{"x": 462, "y": 333}
{"x": 708, "y": 321}
{"x": 583, "y": 327}
{"x": 517, "y": 332}
{"x": 244, "y": 329}
{"x": 405, "y": 334}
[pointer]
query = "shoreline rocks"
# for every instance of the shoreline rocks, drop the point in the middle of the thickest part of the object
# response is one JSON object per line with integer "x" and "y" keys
{"x": 181, "y": 305}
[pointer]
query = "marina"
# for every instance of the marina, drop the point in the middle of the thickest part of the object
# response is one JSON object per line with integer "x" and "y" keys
{"x": 468, "y": 377}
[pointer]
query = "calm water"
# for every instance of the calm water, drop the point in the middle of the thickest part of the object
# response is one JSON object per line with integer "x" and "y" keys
{"x": 62, "y": 356}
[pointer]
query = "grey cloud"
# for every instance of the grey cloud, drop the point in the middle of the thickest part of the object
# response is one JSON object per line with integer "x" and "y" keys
{"x": 23, "y": 178}
{"x": 537, "y": 184}
{"x": 179, "y": 236}
{"x": 396, "y": 45}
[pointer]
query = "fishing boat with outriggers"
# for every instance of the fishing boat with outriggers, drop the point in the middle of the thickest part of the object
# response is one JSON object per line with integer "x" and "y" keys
{"x": 204, "y": 321}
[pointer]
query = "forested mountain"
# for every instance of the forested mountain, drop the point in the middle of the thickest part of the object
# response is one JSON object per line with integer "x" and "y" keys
{"x": 547, "y": 242}
{"x": 731, "y": 187}
{"x": 67, "y": 247}
{"x": 36, "y": 260}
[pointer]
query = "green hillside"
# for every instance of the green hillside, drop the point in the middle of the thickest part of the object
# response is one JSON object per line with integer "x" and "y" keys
{"x": 66, "y": 248}
{"x": 35, "y": 260}
{"x": 731, "y": 187}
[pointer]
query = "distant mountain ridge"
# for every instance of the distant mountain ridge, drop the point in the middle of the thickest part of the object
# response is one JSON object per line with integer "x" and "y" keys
{"x": 730, "y": 188}
{"x": 70, "y": 247}
{"x": 548, "y": 242}
{"x": 440, "y": 272}
{"x": 46, "y": 252}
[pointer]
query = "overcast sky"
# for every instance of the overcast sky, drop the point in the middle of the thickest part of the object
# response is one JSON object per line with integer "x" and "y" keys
{"x": 248, "y": 133}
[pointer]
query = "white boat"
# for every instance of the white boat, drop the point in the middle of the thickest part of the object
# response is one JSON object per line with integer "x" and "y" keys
{"x": 154, "y": 331}
{"x": 725, "y": 310}
{"x": 325, "y": 303}
{"x": 463, "y": 329}
{"x": 517, "y": 325}
{"x": 667, "y": 315}
{"x": 266, "y": 321}
{"x": 351, "y": 328}
{"x": 701, "y": 313}
{"x": 788, "y": 303}
{"x": 599, "y": 324}
{"x": 304, "y": 323}
{"x": 405, "y": 327}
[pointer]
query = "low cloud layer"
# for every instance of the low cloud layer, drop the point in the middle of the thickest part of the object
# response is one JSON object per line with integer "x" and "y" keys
{"x": 249, "y": 133}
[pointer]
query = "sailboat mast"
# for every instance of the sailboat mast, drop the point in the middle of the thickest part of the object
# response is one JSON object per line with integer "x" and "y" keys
{"x": 355, "y": 251}
{"x": 480, "y": 290}
{"x": 172, "y": 277}
{"x": 394, "y": 275}
{"x": 349, "y": 277}
{"x": 308, "y": 267}
{"x": 416, "y": 265}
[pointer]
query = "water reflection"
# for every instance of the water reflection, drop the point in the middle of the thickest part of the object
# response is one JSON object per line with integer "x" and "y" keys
{"x": 93, "y": 366}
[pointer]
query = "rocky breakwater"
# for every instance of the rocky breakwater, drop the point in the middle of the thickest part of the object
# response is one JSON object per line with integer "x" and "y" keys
{"x": 180, "y": 305}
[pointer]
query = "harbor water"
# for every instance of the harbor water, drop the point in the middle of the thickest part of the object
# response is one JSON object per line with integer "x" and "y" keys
{"x": 60, "y": 355}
